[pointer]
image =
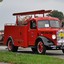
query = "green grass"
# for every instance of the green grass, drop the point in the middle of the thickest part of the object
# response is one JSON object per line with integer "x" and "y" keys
{"x": 25, "y": 58}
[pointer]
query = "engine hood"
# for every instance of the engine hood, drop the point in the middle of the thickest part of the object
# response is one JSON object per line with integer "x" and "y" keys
{"x": 49, "y": 30}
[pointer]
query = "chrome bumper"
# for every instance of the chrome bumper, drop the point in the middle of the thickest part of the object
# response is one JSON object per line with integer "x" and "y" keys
{"x": 57, "y": 47}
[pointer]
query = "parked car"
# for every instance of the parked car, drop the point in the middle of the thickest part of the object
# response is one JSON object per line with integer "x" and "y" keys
{"x": 1, "y": 37}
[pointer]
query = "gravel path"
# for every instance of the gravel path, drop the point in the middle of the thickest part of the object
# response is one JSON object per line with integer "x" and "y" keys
{"x": 4, "y": 63}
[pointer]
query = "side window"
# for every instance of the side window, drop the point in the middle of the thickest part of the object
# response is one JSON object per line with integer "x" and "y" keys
{"x": 32, "y": 24}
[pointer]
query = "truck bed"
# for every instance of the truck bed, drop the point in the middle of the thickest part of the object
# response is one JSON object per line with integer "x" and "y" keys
{"x": 17, "y": 33}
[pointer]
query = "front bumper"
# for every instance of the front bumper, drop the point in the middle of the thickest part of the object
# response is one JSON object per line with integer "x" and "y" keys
{"x": 57, "y": 47}
{"x": 60, "y": 42}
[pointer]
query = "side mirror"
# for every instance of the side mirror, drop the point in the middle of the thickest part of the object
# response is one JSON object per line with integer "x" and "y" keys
{"x": 62, "y": 24}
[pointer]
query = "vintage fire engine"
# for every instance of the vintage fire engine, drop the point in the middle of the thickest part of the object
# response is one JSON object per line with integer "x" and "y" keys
{"x": 34, "y": 30}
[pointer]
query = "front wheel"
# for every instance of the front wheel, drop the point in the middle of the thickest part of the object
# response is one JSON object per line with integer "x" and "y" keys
{"x": 11, "y": 47}
{"x": 40, "y": 47}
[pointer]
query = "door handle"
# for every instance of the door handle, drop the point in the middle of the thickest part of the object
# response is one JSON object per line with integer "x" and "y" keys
{"x": 20, "y": 33}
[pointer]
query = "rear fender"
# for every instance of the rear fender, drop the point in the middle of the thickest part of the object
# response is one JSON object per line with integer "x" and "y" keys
{"x": 10, "y": 38}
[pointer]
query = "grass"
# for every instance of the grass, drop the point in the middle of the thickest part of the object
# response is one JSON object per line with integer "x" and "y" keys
{"x": 25, "y": 58}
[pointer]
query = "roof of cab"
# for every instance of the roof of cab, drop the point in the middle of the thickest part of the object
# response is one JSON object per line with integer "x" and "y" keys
{"x": 46, "y": 18}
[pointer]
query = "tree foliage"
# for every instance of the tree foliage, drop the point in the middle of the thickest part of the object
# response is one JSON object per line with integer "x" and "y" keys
{"x": 57, "y": 14}
{"x": 1, "y": 0}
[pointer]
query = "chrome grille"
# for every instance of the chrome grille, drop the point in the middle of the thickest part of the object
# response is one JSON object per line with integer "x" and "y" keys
{"x": 60, "y": 37}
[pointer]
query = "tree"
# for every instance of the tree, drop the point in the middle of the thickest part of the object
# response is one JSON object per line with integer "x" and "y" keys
{"x": 1, "y": 0}
{"x": 57, "y": 14}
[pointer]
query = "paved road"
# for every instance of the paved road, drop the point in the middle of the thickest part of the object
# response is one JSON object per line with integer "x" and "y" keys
{"x": 54, "y": 53}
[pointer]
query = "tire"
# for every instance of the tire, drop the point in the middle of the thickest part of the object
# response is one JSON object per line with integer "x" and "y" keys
{"x": 33, "y": 49}
{"x": 63, "y": 50}
{"x": 41, "y": 49}
{"x": 11, "y": 47}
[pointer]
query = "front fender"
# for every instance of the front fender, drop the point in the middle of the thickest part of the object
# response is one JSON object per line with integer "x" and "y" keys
{"x": 9, "y": 39}
{"x": 45, "y": 40}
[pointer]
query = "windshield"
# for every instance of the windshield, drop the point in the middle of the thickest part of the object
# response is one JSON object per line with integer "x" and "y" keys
{"x": 45, "y": 23}
{"x": 54, "y": 24}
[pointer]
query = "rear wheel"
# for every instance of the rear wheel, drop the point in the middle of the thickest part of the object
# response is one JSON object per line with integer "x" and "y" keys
{"x": 63, "y": 50}
{"x": 41, "y": 48}
{"x": 11, "y": 47}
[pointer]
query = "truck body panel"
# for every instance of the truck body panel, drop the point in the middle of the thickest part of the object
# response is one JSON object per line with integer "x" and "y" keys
{"x": 18, "y": 34}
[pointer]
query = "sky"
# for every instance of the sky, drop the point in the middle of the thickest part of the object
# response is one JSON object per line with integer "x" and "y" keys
{"x": 8, "y": 7}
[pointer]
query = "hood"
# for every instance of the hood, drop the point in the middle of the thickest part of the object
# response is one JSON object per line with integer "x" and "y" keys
{"x": 49, "y": 30}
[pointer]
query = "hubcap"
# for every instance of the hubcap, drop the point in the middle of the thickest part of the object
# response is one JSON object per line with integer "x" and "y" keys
{"x": 40, "y": 47}
{"x": 9, "y": 45}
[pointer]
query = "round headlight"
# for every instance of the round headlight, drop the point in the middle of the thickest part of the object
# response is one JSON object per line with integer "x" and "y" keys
{"x": 53, "y": 36}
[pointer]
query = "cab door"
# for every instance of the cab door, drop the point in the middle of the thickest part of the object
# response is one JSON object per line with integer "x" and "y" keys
{"x": 32, "y": 32}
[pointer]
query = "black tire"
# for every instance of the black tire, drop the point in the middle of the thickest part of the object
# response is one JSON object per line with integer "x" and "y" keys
{"x": 11, "y": 47}
{"x": 63, "y": 50}
{"x": 41, "y": 49}
{"x": 33, "y": 49}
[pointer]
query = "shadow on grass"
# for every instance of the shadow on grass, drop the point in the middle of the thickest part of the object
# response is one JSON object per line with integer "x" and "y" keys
{"x": 28, "y": 52}
{"x": 47, "y": 53}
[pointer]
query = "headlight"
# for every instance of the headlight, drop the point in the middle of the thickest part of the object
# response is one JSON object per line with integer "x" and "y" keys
{"x": 53, "y": 36}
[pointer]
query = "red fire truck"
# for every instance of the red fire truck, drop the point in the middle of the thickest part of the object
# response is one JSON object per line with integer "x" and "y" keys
{"x": 34, "y": 30}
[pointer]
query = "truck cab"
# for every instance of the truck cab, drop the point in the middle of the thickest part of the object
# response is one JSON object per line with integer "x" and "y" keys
{"x": 39, "y": 33}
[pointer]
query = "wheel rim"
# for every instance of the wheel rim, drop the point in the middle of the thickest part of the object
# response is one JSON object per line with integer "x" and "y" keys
{"x": 40, "y": 47}
{"x": 9, "y": 45}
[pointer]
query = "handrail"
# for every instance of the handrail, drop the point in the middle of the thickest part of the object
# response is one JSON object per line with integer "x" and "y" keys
{"x": 33, "y": 12}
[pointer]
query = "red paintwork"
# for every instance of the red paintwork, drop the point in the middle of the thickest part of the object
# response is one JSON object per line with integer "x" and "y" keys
{"x": 18, "y": 33}
{"x": 24, "y": 36}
